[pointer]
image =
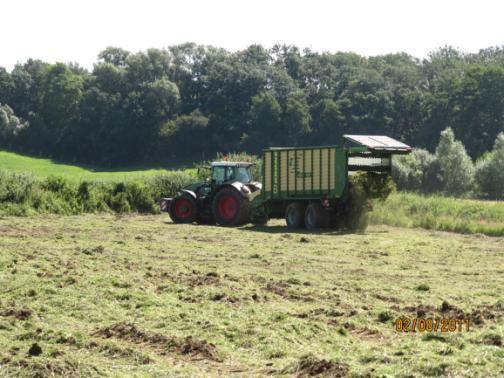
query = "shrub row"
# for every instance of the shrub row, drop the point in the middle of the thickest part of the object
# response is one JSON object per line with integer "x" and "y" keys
{"x": 440, "y": 213}
{"x": 451, "y": 171}
{"x": 22, "y": 194}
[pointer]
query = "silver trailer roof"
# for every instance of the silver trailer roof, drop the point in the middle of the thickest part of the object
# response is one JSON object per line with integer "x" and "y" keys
{"x": 379, "y": 143}
{"x": 231, "y": 164}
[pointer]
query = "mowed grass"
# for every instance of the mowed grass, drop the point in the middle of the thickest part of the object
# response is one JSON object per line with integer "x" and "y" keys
{"x": 139, "y": 296}
{"x": 43, "y": 168}
{"x": 441, "y": 213}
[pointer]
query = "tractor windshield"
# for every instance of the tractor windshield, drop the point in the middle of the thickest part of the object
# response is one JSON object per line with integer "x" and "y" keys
{"x": 222, "y": 174}
{"x": 219, "y": 174}
{"x": 243, "y": 174}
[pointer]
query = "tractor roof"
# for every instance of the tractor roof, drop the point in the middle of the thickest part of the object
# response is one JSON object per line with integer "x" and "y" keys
{"x": 231, "y": 164}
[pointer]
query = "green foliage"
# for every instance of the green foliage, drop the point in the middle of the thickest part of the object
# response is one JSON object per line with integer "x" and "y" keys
{"x": 190, "y": 101}
{"x": 265, "y": 112}
{"x": 490, "y": 171}
{"x": 455, "y": 166}
{"x": 363, "y": 189}
{"x": 168, "y": 184}
{"x": 450, "y": 170}
{"x": 10, "y": 125}
{"x": 15, "y": 187}
{"x": 22, "y": 194}
{"x": 140, "y": 197}
{"x": 119, "y": 203}
{"x": 440, "y": 213}
{"x": 416, "y": 171}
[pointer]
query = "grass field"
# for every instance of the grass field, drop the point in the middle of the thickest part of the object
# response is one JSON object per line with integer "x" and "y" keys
{"x": 102, "y": 295}
{"x": 43, "y": 168}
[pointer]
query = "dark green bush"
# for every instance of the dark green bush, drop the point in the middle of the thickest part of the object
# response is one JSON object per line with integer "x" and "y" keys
{"x": 119, "y": 203}
{"x": 140, "y": 198}
{"x": 15, "y": 187}
{"x": 21, "y": 194}
{"x": 168, "y": 184}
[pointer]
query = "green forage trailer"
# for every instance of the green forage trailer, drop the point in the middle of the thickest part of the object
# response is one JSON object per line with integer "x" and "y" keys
{"x": 310, "y": 186}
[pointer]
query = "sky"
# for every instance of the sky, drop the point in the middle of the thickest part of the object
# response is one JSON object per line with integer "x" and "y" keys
{"x": 76, "y": 30}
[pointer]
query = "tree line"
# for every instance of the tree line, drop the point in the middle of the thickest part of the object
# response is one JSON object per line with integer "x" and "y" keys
{"x": 190, "y": 101}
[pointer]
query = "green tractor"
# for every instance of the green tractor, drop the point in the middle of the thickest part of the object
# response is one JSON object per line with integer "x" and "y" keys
{"x": 224, "y": 198}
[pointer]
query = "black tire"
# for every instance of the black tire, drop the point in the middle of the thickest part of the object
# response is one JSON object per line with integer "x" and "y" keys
{"x": 229, "y": 208}
{"x": 259, "y": 218}
{"x": 316, "y": 217}
{"x": 205, "y": 220}
{"x": 295, "y": 215}
{"x": 183, "y": 209}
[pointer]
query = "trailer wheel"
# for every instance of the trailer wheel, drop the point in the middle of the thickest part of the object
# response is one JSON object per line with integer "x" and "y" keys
{"x": 230, "y": 208}
{"x": 183, "y": 209}
{"x": 316, "y": 216}
{"x": 295, "y": 215}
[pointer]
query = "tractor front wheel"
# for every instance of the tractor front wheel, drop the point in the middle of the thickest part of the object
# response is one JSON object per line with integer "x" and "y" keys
{"x": 316, "y": 216}
{"x": 183, "y": 209}
{"x": 230, "y": 208}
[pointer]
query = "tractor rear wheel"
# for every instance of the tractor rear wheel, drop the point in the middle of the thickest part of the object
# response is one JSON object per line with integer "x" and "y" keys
{"x": 295, "y": 214}
{"x": 230, "y": 208}
{"x": 183, "y": 209}
{"x": 316, "y": 216}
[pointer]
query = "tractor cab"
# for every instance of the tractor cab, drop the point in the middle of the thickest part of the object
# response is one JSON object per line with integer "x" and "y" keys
{"x": 228, "y": 172}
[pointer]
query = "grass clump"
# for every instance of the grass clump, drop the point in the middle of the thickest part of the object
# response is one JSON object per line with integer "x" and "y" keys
{"x": 423, "y": 287}
{"x": 384, "y": 316}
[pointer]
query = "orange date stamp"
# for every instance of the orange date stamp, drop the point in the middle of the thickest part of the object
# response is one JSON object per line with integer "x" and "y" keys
{"x": 431, "y": 325}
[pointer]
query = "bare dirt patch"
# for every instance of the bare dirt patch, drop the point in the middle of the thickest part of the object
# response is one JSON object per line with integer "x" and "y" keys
{"x": 281, "y": 288}
{"x": 194, "y": 278}
{"x": 55, "y": 368}
{"x": 387, "y": 299}
{"x": 20, "y": 314}
{"x": 189, "y": 345}
{"x": 477, "y": 316}
{"x": 309, "y": 366}
{"x": 221, "y": 297}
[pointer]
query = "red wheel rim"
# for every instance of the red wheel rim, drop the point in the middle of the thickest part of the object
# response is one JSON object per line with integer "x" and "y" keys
{"x": 228, "y": 207}
{"x": 183, "y": 208}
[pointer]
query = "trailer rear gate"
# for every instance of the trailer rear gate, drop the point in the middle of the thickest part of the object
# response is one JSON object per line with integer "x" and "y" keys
{"x": 304, "y": 172}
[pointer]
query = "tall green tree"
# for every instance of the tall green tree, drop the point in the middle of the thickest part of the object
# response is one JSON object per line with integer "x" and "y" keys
{"x": 264, "y": 127}
{"x": 456, "y": 168}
